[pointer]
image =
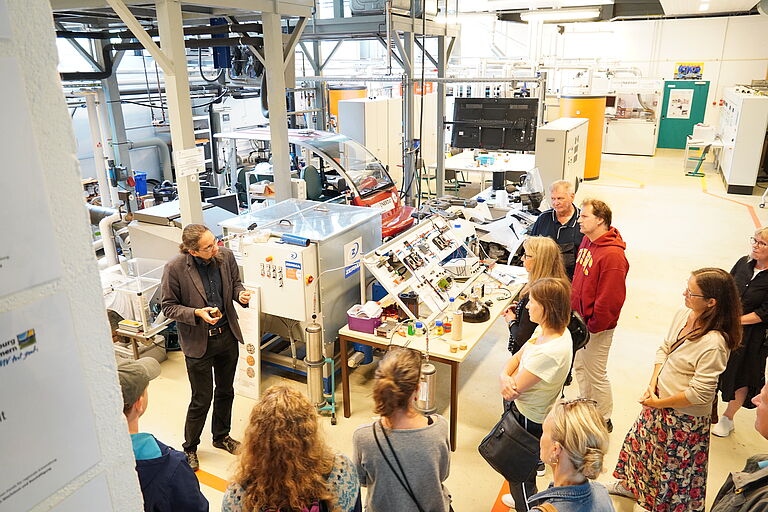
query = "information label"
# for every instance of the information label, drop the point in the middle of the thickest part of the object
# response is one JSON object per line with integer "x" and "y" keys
{"x": 680, "y": 101}
{"x": 189, "y": 162}
{"x": 28, "y": 252}
{"x": 43, "y": 397}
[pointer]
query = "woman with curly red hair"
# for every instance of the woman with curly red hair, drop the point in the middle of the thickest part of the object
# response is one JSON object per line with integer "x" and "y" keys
{"x": 284, "y": 465}
{"x": 663, "y": 463}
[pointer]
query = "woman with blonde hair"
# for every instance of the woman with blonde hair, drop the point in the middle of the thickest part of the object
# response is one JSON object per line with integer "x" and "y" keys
{"x": 542, "y": 258}
{"x": 284, "y": 465}
{"x": 663, "y": 462}
{"x": 534, "y": 377}
{"x": 404, "y": 457}
{"x": 573, "y": 444}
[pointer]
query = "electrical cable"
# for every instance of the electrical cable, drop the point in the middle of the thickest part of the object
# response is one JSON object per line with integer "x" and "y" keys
{"x": 146, "y": 80}
{"x": 224, "y": 93}
{"x": 421, "y": 104}
{"x": 200, "y": 68}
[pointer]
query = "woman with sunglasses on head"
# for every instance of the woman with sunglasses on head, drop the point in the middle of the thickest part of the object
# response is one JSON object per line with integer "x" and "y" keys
{"x": 573, "y": 444}
{"x": 745, "y": 374}
{"x": 404, "y": 457}
{"x": 663, "y": 462}
{"x": 534, "y": 377}
{"x": 542, "y": 258}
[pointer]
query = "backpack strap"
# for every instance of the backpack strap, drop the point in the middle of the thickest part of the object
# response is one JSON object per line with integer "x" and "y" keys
{"x": 545, "y": 507}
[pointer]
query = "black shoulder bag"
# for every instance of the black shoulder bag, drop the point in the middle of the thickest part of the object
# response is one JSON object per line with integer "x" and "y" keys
{"x": 510, "y": 449}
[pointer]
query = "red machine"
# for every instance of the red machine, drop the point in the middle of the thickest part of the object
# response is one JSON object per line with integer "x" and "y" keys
{"x": 338, "y": 157}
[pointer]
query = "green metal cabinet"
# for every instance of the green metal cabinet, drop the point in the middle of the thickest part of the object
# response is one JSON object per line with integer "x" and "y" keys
{"x": 684, "y": 104}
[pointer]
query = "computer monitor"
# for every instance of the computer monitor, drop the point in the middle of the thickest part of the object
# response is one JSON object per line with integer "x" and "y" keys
{"x": 226, "y": 201}
{"x": 207, "y": 192}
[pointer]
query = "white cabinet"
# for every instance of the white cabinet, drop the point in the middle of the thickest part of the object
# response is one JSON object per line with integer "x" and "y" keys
{"x": 561, "y": 150}
{"x": 377, "y": 124}
{"x": 630, "y": 137}
{"x": 743, "y": 122}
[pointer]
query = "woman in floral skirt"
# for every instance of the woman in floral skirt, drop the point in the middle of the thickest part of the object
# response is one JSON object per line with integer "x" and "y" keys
{"x": 663, "y": 463}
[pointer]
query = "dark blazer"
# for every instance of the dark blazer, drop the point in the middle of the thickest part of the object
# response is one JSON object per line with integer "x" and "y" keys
{"x": 183, "y": 292}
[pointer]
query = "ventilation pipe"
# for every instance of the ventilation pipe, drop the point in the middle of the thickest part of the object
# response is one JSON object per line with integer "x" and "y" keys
{"x": 165, "y": 153}
{"x": 105, "y": 218}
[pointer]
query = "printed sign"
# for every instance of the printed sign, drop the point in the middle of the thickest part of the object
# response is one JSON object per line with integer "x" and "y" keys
{"x": 385, "y": 205}
{"x": 292, "y": 270}
{"x": 679, "y": 106}
{"x": 39, "y": 356}
{"x": 689, "y": 70}
{"x": 189, "y": 162}
{"x": 353, "y": 251}
{"x": 28, "y": 252}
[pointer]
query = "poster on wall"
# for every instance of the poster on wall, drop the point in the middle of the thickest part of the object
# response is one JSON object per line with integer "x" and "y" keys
{"x": 28, "y": 252}
{"x": 689, "y": 70}
{"x": 46, "y": 422}
{"x": 680, "y": 101}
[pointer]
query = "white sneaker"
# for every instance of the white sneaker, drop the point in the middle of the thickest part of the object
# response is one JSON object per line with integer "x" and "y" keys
{"x": 508, "y": 500}
{"x": 723, "y": 428}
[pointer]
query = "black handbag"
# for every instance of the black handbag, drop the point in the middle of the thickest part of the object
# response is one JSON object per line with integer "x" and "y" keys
{"x": 510, "y": 449}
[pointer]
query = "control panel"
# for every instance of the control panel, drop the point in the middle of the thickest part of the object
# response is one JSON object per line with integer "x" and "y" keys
{"x": 415, "y": 261}
{"x": 286, "y": 275}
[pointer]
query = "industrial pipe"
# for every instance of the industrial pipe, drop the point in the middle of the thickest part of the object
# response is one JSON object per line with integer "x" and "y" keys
{"x": 105, "y": 227}
{"x": 98, "y": 213}
{"x": 315, "y": 362}
{"x": 99, "y": 160}
{"x": 165, "y": 153}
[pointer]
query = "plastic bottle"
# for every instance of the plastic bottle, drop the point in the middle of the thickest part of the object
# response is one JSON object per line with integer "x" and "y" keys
{"x": 419, "y": 329}
{"x": 447, "y": 324}
{"x": 439, "y": 328}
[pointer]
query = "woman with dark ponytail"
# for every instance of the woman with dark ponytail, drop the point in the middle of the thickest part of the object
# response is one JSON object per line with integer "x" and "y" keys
{"x": 404, "y": 457}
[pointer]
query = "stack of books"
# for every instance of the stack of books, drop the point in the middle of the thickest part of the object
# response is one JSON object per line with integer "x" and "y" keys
{"x": 130, "y": 325}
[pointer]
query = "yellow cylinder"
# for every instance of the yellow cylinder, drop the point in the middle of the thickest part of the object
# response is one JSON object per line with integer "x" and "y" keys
{"x": 592, "y": 108}
{"x": 337, "y": 93}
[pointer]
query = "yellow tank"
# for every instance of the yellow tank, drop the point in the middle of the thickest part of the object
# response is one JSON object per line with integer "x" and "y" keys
{"x": 592, "y": 108}
{"x": 337, "y": 93}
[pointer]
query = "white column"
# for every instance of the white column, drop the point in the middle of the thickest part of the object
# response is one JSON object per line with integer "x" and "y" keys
{"x": 278, "y": 113}
{"x": 170, "y": 25}
{"x": 98, "y": 152}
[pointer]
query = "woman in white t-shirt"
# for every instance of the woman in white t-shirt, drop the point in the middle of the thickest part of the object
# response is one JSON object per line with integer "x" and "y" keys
{"x": 533, "y": 378}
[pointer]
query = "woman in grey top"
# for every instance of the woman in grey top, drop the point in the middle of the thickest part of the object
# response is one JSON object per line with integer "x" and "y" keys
{"x": 404, "y": 457}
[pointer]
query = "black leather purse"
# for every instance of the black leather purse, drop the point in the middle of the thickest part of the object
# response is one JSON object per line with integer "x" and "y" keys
{"x": 510, "y": 449}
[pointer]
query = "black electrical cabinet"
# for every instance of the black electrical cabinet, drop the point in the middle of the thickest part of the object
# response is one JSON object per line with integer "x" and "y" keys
{"x": 495, "y": 123}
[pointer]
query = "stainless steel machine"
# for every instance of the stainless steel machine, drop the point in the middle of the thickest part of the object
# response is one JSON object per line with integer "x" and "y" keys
{"x": 305, "y": 257}
{"x": 155, "y": 232}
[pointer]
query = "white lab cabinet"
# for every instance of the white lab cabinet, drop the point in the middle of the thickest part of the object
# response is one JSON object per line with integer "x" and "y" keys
{"x": 377, "y": 124}
{"x": 630, "y": 137}
{"x": 561, "y": 150}
{"x": 743, "y": 122}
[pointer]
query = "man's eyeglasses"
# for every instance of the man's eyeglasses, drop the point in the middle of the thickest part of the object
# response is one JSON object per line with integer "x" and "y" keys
{"x": 758, "y": 243}
{"x": 689, "y": 293}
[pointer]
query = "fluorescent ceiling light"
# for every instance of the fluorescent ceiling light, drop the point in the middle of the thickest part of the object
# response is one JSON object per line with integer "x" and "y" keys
{"x": 704, "y": 6}
{"x": 561, "y": 15}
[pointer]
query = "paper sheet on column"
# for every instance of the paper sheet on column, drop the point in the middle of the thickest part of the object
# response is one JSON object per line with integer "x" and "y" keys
{"x": 47, "y": 433}
{"x": 28, "y": 251}
{"x": 92, "y": 496}
{"x": 5, "y": 21}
